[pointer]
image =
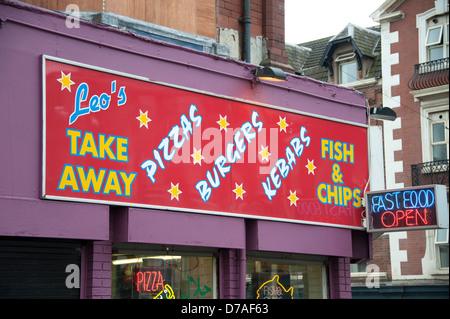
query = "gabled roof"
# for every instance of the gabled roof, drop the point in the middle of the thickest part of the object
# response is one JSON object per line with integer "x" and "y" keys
{"x": 364, "y": 40}
{"x": 297, "y": 56}
{"x": 311, "y": 65}
{"x": 305, "y": 57}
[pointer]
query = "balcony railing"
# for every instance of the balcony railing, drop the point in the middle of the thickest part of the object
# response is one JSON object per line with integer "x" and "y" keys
{"x": 429, "y": 74}
{"x": 430, "y": 173}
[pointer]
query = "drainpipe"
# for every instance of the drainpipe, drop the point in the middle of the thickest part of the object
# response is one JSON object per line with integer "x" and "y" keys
{"x": 246, "y": 21}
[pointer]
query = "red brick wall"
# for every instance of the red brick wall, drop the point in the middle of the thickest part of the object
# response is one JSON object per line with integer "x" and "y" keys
{"x": 228, "y": 14}
{"x": 193, "y": 16}
{"x": 198, "y": 17}
{"x": 409, "y": 111}
{"x": 274, "y": 30}
{"x": 267, "y": 19}
{"x": 414, "y": 245}
{"x": 381, "y": 256}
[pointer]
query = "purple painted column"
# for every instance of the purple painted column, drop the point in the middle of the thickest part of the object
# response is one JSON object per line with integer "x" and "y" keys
{"x": 340, "y": 281}
{"x": 230, "y": 279}
{"x": 97, "y": 266}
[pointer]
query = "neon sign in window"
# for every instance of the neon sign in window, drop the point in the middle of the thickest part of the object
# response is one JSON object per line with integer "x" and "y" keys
{"x": 273, "y": 289}
{"x": 277, "y": 280}
{"x": 162, "y": 277}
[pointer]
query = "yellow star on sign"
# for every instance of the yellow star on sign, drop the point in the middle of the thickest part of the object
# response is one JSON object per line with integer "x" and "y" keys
{"x": 293, "y": 198}
{"x": 223, "y": 123}
{"x": 264, "y": 153}
{"x": 282, "y": 123}
{"x": 143, "y": 119}
{"x": 174, "y": 191}
{"x": 310, "y": 167}
{"x": 197, "y": 156}
{"x": 65, "y": 81}
{"x": 239, "y": 191}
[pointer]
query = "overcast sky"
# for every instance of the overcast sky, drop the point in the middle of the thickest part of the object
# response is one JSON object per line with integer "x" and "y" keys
{"x": 315, "y": 19}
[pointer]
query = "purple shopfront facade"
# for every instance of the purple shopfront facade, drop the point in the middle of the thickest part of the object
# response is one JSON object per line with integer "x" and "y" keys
{"x": 26, "y": 35}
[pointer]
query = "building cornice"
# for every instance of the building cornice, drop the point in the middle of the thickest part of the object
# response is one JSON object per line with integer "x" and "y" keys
{"x": 385, "y": 13}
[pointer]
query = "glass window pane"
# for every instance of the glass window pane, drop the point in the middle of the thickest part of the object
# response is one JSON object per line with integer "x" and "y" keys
{"x": 162, "y": 277}
{"x": 267, "y": 280}
{"x": 438, "y": 132}
{"x": 440, "y": 152}
{"x": 435, "y": 53}
{"x": 447, "y": 34}
{"x": 443, "y": 255}
{"x": 441, "y": 235}
{"x": 348, "y": 72}
{"x": 434, "y": 35}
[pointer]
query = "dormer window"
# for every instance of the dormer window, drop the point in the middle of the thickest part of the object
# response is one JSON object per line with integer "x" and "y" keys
{"x": 353, "y": 57}
{"x": 348, "y": 68}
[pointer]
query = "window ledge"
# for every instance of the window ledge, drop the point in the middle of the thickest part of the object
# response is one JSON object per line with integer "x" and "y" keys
{"x": 431, "y": 93}
{"x": 359, "y": 84}
{"x": 367, "y": 274}
{"x": 439, "y": 272}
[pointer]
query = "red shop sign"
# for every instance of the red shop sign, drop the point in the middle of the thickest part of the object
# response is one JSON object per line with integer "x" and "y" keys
{"x": 116, "y": 139}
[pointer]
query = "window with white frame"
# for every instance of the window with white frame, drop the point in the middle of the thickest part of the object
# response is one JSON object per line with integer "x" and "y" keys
{"x": 437, "y": 38}
{"x": 433, "y": 32}
{"x": 347, "y": 68}
{"x": 439, "y": 135}
{"x": 441, "y": 242}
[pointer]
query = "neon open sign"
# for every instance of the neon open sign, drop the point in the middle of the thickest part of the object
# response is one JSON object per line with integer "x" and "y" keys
{"x": 411, "y": 208}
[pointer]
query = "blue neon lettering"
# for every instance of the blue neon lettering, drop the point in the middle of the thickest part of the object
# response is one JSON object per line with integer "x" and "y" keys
{"x": 398, "y": 200}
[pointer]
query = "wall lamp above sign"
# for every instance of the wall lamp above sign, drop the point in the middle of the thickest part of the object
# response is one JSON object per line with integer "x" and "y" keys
{"x": 382, "y": 113}
{"x": 269, "y": 73}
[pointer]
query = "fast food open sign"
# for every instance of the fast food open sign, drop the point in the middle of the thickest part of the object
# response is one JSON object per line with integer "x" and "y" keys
{"x": 412, "y": 208}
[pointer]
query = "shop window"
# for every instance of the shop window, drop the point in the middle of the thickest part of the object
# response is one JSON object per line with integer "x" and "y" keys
{"x": 276, "y": 280}
{"x": 163, "y": 276}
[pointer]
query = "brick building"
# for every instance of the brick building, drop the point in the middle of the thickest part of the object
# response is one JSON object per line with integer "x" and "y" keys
{"x": 252, "y": 30}
{"x": 351, "y": 58}
{"x": 406, "y": 70}
{"x": 414, "y": 45}
{"x": 77, "y": 221}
